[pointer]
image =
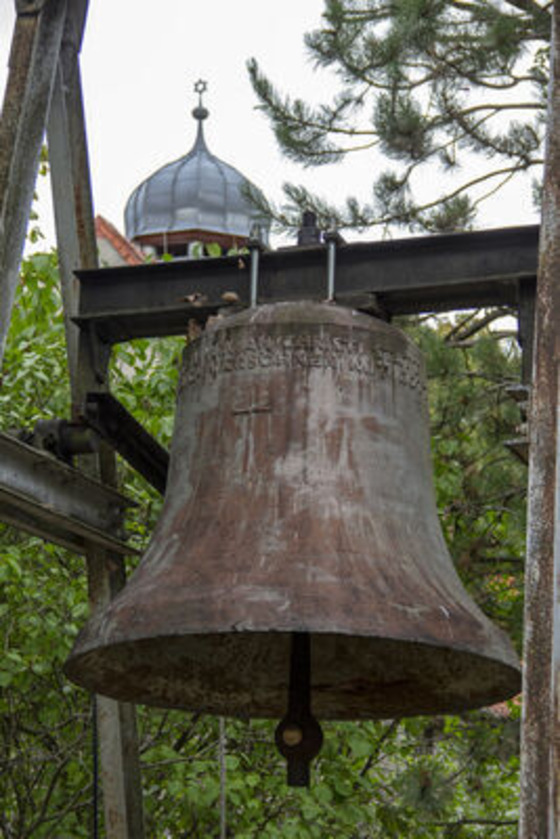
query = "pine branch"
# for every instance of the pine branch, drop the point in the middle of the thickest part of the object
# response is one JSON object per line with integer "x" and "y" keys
{"x": 531, "y": 7}
{"x": 374, "y": 756}
{"x": 187, "y": 734}
{"x": 413, "y": 66}
{"x": 464, "y": 822}
{"x": 468, "y": 330}
{"x": 73, "y": 806}
{"x": 42, "y": 814}
{"x": 465, "y": 187}
{"x": 451, "y": 335}
{"x": 496, "y": 560}
{"x": 500, "y": 107}
{"x": 481, "y": 79}
{"x": 151, "y": 739}
{"x": 464, "y": 6}
{"x": 365, "y": 217}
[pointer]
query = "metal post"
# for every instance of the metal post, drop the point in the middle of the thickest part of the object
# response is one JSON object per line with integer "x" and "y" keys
{"x": 254, "y": 248}
{"x": 331, "y": 238}
{"x": 540, "y": 754}
{"x": 120, "y": 768}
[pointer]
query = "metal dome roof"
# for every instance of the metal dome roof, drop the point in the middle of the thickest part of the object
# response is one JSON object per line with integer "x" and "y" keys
{"x": 197, "y": 192}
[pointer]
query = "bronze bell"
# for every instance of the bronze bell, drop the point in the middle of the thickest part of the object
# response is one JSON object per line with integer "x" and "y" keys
{"x": 299, "y": 512}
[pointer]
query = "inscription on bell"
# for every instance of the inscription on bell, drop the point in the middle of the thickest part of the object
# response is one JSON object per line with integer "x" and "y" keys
{"x": 344, "y": 355}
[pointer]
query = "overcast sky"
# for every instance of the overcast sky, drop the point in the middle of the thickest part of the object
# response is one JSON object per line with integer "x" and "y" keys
{"x": 140, "y": 60}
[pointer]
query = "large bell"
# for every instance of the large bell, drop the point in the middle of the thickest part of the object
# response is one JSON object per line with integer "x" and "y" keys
{"x": 299, "y": 505}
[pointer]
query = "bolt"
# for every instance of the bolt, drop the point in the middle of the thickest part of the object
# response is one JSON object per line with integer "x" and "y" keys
{"x": 292, "y": 735}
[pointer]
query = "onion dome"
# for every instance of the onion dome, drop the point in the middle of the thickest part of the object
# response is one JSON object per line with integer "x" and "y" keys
{"x": 195, "y": 198}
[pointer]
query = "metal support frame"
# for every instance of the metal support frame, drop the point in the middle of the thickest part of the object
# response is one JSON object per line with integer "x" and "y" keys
{"x": 44, "y": 85}
{"x": 115, "y": 424}
{"x": 440, "y": 273}
{"x": 403, "y": 276}
{"x": 50, "y": 499}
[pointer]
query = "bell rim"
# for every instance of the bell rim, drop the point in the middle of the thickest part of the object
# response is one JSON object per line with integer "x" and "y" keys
{"x": 507, "y": 673}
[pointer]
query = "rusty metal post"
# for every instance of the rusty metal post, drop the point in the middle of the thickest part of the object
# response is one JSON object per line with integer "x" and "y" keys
{"x": 72, "y": 199}
{"x": 33, "y": 60}
{"x": 540, "y": 775}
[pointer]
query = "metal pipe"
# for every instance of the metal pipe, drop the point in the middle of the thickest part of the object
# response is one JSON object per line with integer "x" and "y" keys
{"x": 254, "y": 245}
{"x": 330, "y": 239}
{"x": 254, "y": 275}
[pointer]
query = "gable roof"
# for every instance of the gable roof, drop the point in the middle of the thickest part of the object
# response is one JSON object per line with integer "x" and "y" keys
{"x": 131, "y": 254}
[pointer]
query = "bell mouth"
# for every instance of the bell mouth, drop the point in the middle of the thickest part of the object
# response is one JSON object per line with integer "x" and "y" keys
{"x": 246, "y": 674}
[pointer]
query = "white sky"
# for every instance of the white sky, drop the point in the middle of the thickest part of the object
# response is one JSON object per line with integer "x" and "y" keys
{"x": 140, "y": 59}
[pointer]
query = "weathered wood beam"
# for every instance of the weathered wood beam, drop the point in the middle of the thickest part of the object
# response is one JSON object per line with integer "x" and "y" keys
{"x": 540, "y": 747}
{"x": 72, "y": 198}
{"x": 33, "y": 61}
{"x": 71, "y": 186}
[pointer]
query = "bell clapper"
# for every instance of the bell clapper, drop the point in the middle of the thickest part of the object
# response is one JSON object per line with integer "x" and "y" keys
{"x": 298, "y": 736}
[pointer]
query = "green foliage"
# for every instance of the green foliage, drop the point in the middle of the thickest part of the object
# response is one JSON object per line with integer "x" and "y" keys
{"x": 144, "y": 378}
{"x": 422, "y": 777}
{"x": 426, "y": 82}
{"x": 480, "y": 486}
{"x": 34, "y": 378}
{"x": 401, "y": 127}
{"x": 45, "y": 766}
{"x": 45, "y": 736}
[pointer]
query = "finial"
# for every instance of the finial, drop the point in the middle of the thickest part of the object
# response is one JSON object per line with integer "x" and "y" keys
{"x": 200, "y": 112}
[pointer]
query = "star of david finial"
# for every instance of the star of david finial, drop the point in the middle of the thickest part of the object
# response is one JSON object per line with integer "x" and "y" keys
{"x": 200, "y": 87}
{"x": 200, "y": 112}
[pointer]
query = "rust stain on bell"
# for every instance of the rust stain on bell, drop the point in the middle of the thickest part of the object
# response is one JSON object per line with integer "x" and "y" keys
{"x": 299, "y": 500}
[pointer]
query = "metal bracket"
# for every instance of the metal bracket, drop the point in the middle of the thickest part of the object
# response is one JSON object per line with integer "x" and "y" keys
{"x": 62, "y": 438}
{"x": 115, "y": 424}
{"x": 366, "y": 302}
{"x": 526, "y": 327}
{"x": 521, "y": 393}
{"x": 99, "y": 352}
{"x": 309, "y": 232}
